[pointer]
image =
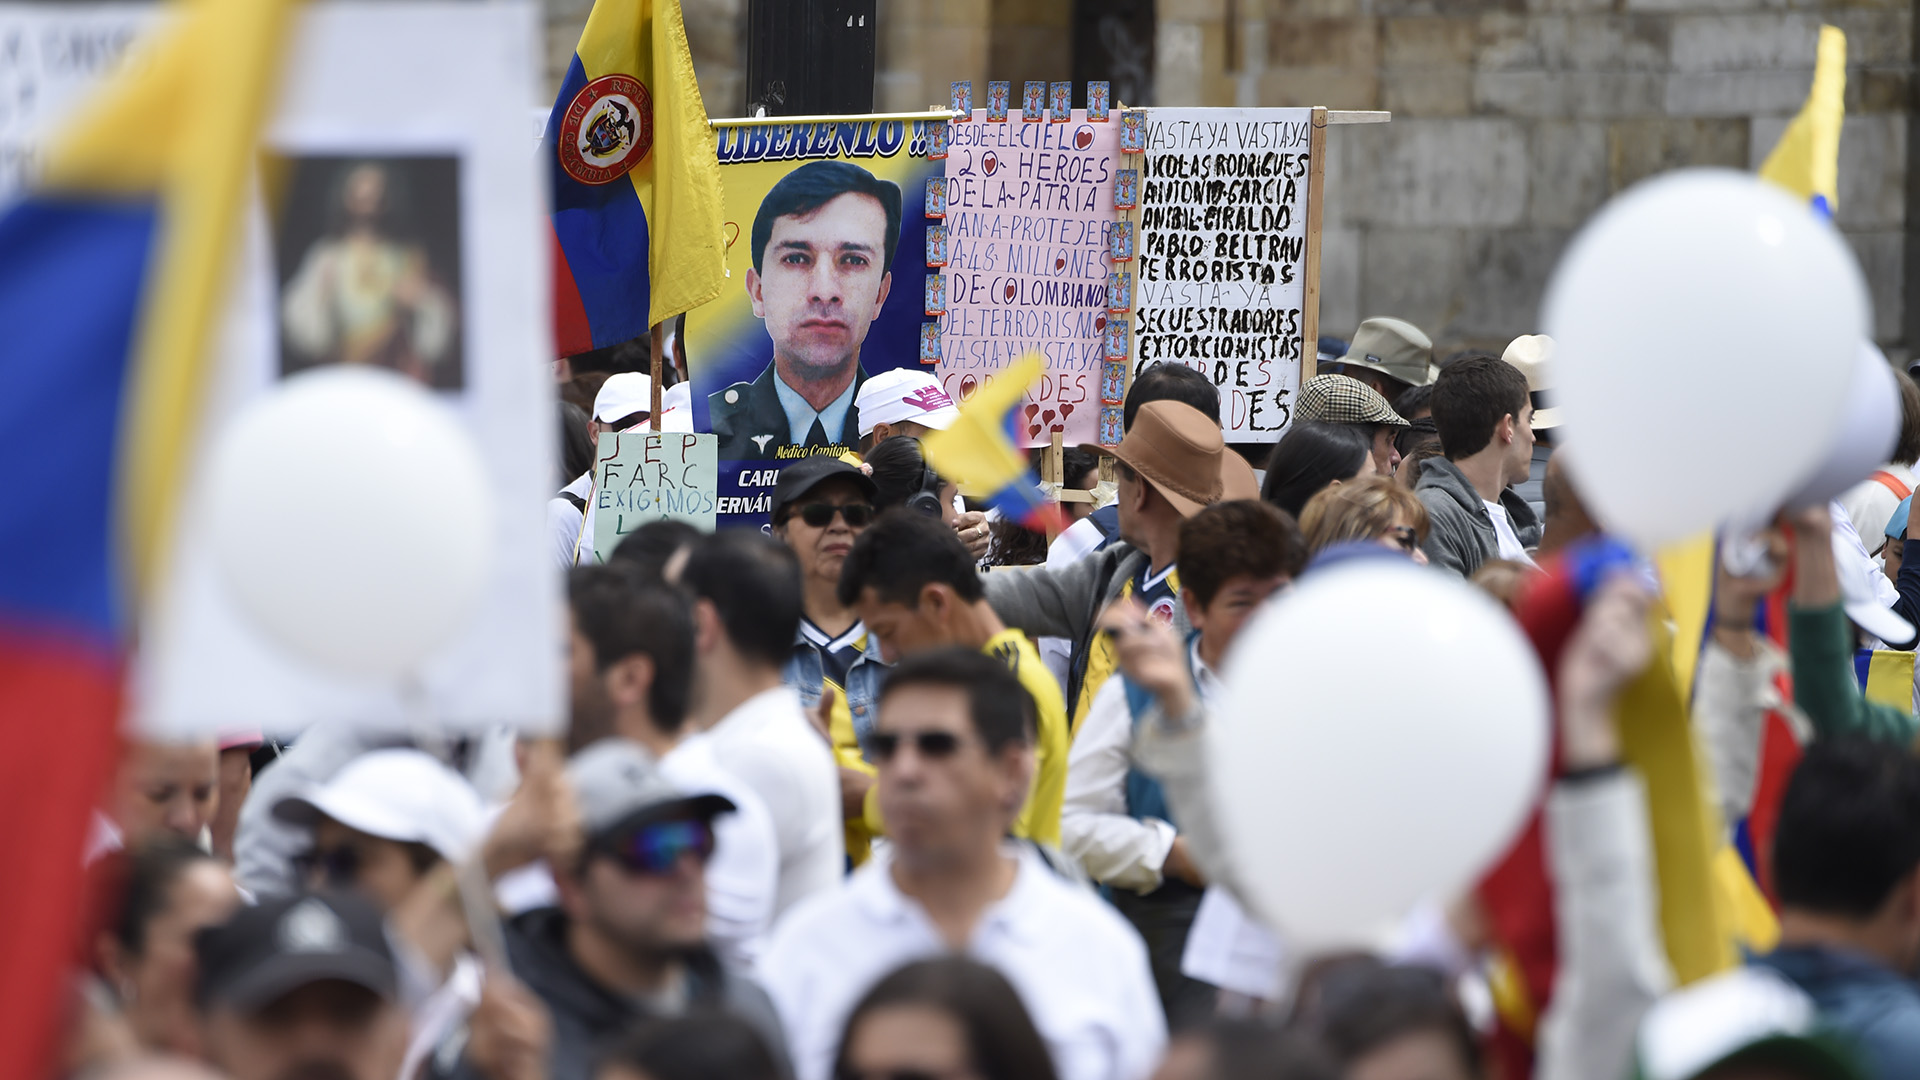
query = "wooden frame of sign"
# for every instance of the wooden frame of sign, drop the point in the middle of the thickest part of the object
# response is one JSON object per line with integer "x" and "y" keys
{"x": 1247, "y": 404}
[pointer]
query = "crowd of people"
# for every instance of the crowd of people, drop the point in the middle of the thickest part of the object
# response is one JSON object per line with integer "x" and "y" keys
{"x": 897, "y": 790}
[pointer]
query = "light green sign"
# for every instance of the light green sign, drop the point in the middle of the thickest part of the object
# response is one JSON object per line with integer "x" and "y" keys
{"x": 641, "y": 476}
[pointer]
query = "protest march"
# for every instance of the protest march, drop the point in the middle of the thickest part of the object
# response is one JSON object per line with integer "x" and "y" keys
{"x": 877, "y": 595}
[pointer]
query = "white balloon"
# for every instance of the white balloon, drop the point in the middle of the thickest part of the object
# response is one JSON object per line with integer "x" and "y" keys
{"x": 1700, "y": 316}
{"x": 1869, "y": 428}
{"x": 352, "y": 519}
{"x": 1345, "y": 800}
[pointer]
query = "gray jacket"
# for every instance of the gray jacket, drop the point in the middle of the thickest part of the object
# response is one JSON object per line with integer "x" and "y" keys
{"x": 1066, "y": 602}
{"x": 1460, "y": 532}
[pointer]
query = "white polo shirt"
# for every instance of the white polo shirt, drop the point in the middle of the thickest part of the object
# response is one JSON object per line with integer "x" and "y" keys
{"x": 1079, "y": 968}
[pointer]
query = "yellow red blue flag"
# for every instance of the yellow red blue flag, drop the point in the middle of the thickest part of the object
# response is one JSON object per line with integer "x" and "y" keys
{"x": 980, "y": 450}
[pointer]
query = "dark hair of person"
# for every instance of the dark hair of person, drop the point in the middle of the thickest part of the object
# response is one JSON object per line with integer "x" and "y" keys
{"x": 583, "y": 388}
{"x": 576, "y": 446}
{"x": 1310, "y": 456}
{"x": 652, "y": 546}
{"x": 1413, "y": 400}
{"x": 814, "y": 185}
{"x": 753, "y": 581}
{"x": 702, "y": 1045}
{"x": 1470, "y": 397}
{"x": 1238, "y": 537}
{"x": 1849, "y": 827}
{"x": 903, "y": 552}
{"x": 1907, "y": 450}
{"x": 1170, "y": 382}
{"x": 1014, "y": 544}
{"x": 1252, "y": 1050}
{"x": 621, "y": 613}
{"x": 1001, "y": 709}
{"x": 148, "y": 875}
{"x": 1001, "y": 1039}
{"x": 1361, "y": 1004}
{"x": 898, "y": 468}
{"x": 1079, "y": 467}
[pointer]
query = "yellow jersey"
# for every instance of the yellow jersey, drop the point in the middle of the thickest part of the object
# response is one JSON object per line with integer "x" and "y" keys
{"x": 1040, "y": 818}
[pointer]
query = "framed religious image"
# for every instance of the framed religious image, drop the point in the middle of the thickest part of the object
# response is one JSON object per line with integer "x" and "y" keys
{"x": 366, "y": 252}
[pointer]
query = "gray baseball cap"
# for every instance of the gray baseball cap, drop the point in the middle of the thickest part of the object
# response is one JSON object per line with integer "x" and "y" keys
{"x": 618, "y": 785}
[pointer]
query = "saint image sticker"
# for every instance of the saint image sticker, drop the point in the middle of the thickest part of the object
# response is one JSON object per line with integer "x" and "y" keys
{"x": 1060, "y": 102}
{"x": 963, "y": 100}
{"x": 999, "y": 97}
{"x": 608, "y": 129}
{"x": 827, "y": 284}
{"x": 1097, "y": 96}
{"x": 1033, "y": 105}
{"x": 1126, "y": 189}
{"x": 936, "y": 245}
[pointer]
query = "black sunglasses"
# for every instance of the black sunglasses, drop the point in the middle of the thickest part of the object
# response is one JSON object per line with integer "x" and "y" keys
{"x": 819, "y": 515}
{"x": 336, "y": 868}
{"x": 930, "y": 744}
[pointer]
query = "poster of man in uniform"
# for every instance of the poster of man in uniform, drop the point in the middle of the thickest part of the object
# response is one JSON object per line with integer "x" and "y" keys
{"x": 826, "y": 233}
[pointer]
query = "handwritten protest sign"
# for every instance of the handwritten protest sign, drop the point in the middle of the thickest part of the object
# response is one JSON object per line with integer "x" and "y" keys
{"x": 50, "y": 56}
{"x": 642, "y": 476}
{"x": 1029, "y": 216}
{"x": 1222, "y": 265}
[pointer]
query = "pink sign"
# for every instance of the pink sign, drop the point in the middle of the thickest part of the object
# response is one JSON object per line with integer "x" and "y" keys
{"x": 1029, "y": 225}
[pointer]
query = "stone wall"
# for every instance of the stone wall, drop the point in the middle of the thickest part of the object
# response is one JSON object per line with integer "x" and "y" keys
{"x": 1512, "y": 119}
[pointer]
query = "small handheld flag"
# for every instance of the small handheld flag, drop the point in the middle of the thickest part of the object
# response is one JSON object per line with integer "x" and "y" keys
{"x": 1806, "y": 160}
{"x": 980, "y": 452}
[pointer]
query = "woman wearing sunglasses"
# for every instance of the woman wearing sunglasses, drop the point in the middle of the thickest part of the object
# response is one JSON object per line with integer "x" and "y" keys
{"x": 820, "y": 505}
{"x": 1373, "y": 509}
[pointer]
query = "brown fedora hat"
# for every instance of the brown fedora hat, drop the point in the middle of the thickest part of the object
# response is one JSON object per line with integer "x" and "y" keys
{"x": 1179, "y": 451}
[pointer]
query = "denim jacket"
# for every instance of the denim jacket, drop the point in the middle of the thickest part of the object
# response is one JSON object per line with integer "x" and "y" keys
{"x": 805, "y": 673}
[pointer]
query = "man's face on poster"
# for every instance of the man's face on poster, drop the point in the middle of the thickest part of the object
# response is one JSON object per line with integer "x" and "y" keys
{"x": 823, "y": 279}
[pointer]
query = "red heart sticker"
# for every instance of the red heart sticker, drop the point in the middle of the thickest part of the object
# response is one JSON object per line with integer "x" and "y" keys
{"x": 1059, "y": 263}
{"x": 1066, "y": 410}
{"x": 1047, "y": 417}
{"x": 989, "y": 163}
{"x": 1099, "y": 323}
{"x": 1033, "y": 431}
{"x": 1031, "y": 409}
{"x": 968, "y": 384}
{"x": 1083, "y": 138}
{"x": 1011, "y": 290}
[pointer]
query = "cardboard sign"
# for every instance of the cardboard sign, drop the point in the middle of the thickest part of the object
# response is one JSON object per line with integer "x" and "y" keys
{"x": 643, "y": 476}
{"x": 1222, "y": 256}
{"x": 1029, "y": 229}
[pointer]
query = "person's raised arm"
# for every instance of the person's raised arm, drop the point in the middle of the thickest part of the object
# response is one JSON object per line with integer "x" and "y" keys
{"x": 1820, "y": 642}
{"x": 1600, "y": 853}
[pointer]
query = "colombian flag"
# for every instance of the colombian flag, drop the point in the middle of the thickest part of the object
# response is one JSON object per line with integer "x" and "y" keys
{"x": 1806, "y": 160}
{"x": 980, "y": 451}
{"x": 636, "y": 180}
{"x": 112, "y": 273}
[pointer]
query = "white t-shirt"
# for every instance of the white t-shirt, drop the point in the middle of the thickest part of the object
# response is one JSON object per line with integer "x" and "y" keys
{"x": 768, "y": 743}
{"x": 743, "y": 876}
{"x": 564, "y": 525}
{"x": 1077, "y": 966}
{"x": 1870, "y": 504}
{"x": 1510, "y": 546}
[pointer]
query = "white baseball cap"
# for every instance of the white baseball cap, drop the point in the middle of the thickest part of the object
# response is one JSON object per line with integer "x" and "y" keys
{"x": 402, "y": 795}
{"x": 901, "y": 395}
{"x": 623, "y": 394}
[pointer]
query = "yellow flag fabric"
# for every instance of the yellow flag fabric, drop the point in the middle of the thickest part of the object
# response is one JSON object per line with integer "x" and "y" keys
{"x": 678, "y": 182}
{"x": 1806, "y": 160}
{"x": 1890, "y": 679}
{"x": 180, "y": 125}
{"x": 1686, "y": 586}
{"x": 1656, "y": 739}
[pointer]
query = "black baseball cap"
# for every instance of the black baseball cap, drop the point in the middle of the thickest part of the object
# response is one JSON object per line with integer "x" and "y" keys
{"x": 266, "y": 952}
{"x": 808, "y": 473}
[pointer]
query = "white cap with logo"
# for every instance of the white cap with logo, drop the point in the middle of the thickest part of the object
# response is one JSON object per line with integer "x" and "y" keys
{"x": 623, "y": 394}
{"x": 904, "y": 395}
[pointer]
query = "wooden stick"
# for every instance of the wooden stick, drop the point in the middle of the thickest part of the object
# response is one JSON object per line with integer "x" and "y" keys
{"x": 1358, "y": 116}
{"x": 659, "y": 342}
{"x": 1052, "y": 463}
{"x": 1310, "y": 294}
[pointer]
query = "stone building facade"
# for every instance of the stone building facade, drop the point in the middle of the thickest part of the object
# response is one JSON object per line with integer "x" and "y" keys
{"x": 1513, "y": 120}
